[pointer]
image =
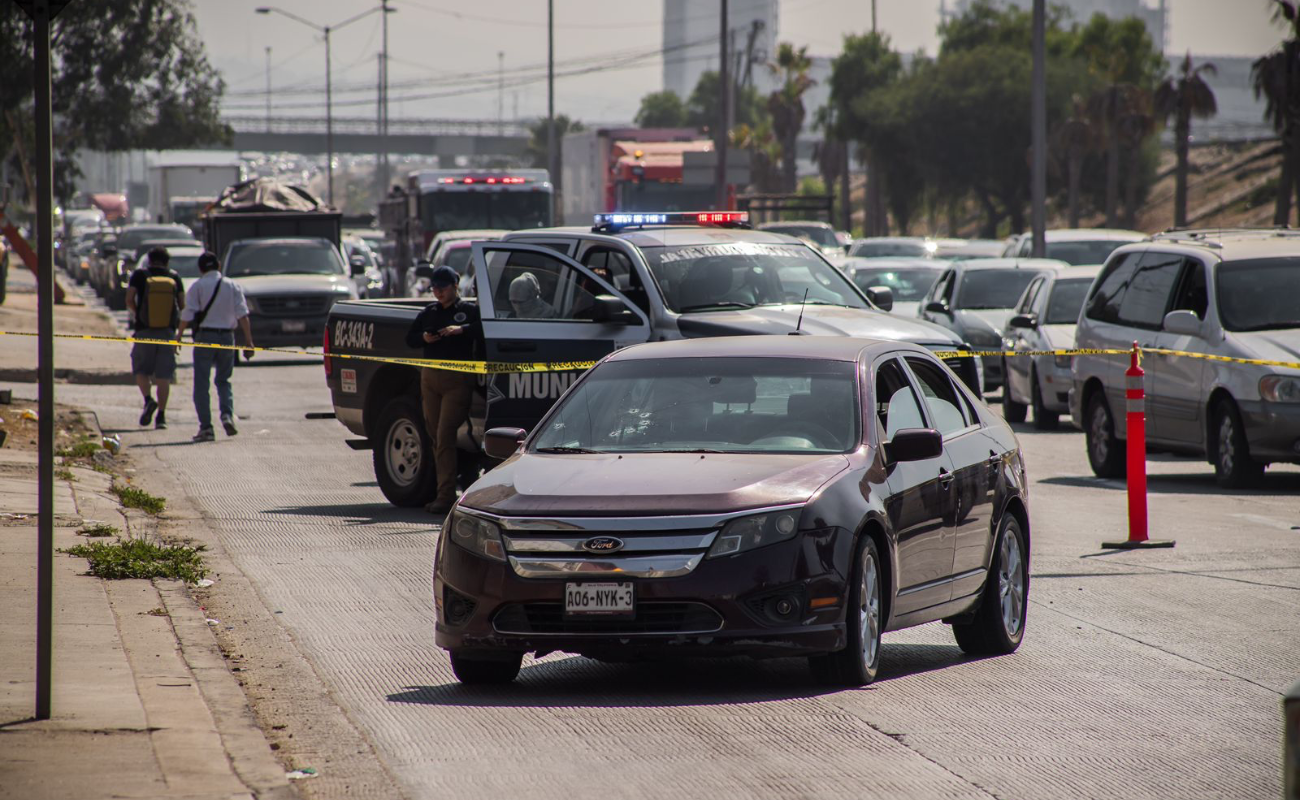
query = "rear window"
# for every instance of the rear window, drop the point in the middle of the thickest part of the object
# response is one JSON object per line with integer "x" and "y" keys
{"x": 908, "y": 285}
{"x": 1259, "y": 295}
{"x": 993, "y": 288}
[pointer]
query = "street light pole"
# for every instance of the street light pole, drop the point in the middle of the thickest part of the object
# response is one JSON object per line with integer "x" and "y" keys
{"x": 1038, "y": 134}
{"x": 268, "y": 89}
{"x": 556, "y": 184}
{"x": 383, "y": 133}
{"x": 724, "y": 95}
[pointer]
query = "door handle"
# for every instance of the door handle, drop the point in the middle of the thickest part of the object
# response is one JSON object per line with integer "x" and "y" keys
{"x": 517, "y": 347}
{"x": 945, "y": 478}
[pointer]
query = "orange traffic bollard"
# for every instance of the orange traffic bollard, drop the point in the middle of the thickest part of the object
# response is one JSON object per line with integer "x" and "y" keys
{"x": 1135, "y": 412}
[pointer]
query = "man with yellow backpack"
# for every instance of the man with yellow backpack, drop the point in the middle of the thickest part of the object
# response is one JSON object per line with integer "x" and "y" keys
{"x": 155, "y": 296}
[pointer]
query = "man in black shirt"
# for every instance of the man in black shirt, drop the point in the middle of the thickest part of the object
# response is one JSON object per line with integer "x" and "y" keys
{"x": 155, "y": 296}
{"x": 448, "y": 329}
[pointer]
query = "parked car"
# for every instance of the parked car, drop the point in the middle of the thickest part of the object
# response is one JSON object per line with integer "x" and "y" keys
{"x": 454, "y": 254}
{"x": 184, "y": 258}
{"x": 116, "y": 271}
{"x": 893, "y": 247}
{"x": 1044, "y": 319}
{"x": 441, "y": 240}
{"x": 1077, "y": 246}
{"x": 364, "y": 266}
{"x": 908, "y": 279}
{"x": 962, "y": 249}
{"x": 974, "y": 299}
{"x": 757, "y": 495}
{"x": 820, "y": 234}
{"x": 1226, "y": 293}
{"x": 291, "y": 284}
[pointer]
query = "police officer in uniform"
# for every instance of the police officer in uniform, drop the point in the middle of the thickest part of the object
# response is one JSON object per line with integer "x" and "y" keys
{"x": 447, "y": 329}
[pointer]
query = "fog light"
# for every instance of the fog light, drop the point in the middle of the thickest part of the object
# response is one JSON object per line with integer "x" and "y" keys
{"x": 784, "y": 607}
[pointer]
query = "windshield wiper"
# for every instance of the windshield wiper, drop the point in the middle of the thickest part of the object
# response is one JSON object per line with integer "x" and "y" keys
{"x": 719, "y": 304}
{"x": 690, "y": 450}
{"x": 567, "y": 450}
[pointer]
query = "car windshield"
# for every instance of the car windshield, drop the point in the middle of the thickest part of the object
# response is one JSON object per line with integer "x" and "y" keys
{"x": 283, "y": 258}
{"x": 725, "y": 405}
{"x": 1260, "y": 294}
{"x": 129, "y": 239}
{"x": 458, "y": 259}
{"x": 823, "y": 237}
{"x": 1066, "y": 302}
{"x": 993, "y": 288}
{"x": 908, "y": 285}
{"x": 726, "y": 275}
{"x": 1077, "y": 253}
{"x": 888, "y": 249}
{"x": 185, "y": 266}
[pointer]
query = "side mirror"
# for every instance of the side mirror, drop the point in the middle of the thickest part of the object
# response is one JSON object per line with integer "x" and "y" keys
{"x": 1182, "y": 323}
{"x": 424, "y": 271}
{"x": 937, "y": 307}
{"x": 610, "y": 310}
{"x": 914, "y": 444}
{"x": 501, "y": 443}
{"x": 881, "y": 296}
{"x": 1024, "y": 321}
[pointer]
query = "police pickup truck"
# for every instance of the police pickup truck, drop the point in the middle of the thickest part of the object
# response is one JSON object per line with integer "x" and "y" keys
{"x": 577, "y": 294}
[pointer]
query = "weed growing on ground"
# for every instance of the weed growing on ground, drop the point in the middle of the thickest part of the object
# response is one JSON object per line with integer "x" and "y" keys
{"x": 157, "y": 612}
{"x": 65, "y": 474}
{"x": 133, "y": 497}
{"x": 99, "y": 530}
{"x": 137, "y": 558}
{"x": 83, "y": 449}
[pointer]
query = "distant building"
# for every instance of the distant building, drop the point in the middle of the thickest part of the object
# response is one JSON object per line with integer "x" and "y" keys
{"x": 691, "y": 41}
{"x": 1155, "y": 16}
{"x": 1241, "y": 115}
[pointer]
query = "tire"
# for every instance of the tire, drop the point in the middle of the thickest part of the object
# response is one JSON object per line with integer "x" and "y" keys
{"x": 403, "y": 454}
{"x": 1044, "y": 420}
{"x": 859, "y": 662}
{"x": 998, "y": 626}
{"x": 496, "y": 670}
{"x": 1233, "y": 466}
{"x": 1011, "y": 410}
{"x": 1106, "y": 452}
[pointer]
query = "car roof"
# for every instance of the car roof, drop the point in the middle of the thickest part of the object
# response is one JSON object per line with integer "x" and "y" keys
{"x": 790, "y": 222}
{"x": 281, "y": 241}
{"x": 825, "y": 348}
{"x": 1087, "y": 272}
{"x": 170, "y": 244}
{"x": 972, "y": 264}
{"x": 1235, "y": 244}
{"x": 1093, "y": 235}
{"x": 892, "y": 262}
{"x": 469, "y": 233}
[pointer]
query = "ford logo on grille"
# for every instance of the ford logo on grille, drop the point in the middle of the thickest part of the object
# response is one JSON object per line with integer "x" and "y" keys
{"x": 603, "y": 544}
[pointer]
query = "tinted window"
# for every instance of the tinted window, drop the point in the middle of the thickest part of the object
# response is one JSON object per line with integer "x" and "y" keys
{"x": 457, "y": 258}
{"x": 993, "y": 288}
{"x": 1066, "y": 301}
{"x": 1148, "y": 292}
{"x": 1103, "y": 304}
{"x": 729, "y": 274}
{"x": 897, "y": 407}
{"x": 1027, "y": 298}
{"x": 733, "y": 405}
{"x": 1192, "y": 295}
{"x": 283, "y": 258}
{"x": 185, "y": 266}
{"x": 887, "y": 249}
{"x": 539, "y": 286}
{"x": 940, "y": 396}
{"x": 908, "y": 285}
{"x": 454, "y": 211}
{"x": 1076, "y": 253}
{"x": 1259, "y": 294}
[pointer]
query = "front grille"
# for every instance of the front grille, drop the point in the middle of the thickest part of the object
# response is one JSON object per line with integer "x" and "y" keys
{"x": 294, "y": 305}
{"x": 663, "y": 617}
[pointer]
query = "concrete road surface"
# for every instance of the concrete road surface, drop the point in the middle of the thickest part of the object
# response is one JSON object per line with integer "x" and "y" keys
{"x": 1142, "y": 674}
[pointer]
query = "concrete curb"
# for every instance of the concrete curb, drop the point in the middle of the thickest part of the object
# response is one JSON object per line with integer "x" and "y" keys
{"x": 70, "y": 375}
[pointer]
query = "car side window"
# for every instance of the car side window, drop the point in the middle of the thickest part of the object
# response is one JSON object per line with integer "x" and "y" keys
{"x": 616, "y": 268}
{"x": 1031, "y": 293}
{"x": 1149, "y": 291}
{"x": 538, "y": 287}
{"x": 1111, "y": 287}
{"x": 940, "y": 397}
{"x": 897, "y": 407}
{"x": 1192, "y": 294}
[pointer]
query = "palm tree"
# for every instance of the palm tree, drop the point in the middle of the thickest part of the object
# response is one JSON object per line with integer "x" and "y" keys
{"x": 786, "y": 105}
{"x": 1076, "y": 137}
{"x": 1109, "y": 106}
{"x": 1134, "y": 128}
{"x": 764, "y": 150}
{"x": 1276, "y": 78}
{"x": 1184, "y": 97}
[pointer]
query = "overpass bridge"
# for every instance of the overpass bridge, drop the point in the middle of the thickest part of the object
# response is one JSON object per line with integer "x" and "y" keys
{"x": 446, "y": 138}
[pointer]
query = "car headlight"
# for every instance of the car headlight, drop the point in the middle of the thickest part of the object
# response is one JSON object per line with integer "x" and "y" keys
{"x": 747, "y": 533}
{"x": 477, "y": 535}
{"x": 1280, "y": 389}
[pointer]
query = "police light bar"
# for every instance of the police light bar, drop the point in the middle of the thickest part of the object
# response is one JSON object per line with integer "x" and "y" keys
{"x": 607, "y": 222}
{"x": 509, "y": 179}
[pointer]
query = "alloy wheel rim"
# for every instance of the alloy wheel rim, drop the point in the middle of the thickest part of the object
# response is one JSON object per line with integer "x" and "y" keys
{"x": 1011, "y": 583}
{"x": 403, "y": 453}
{"x": 1226, "y": 444}
{"x": 1100, "y": 445}
{"x": 869, "y": 609}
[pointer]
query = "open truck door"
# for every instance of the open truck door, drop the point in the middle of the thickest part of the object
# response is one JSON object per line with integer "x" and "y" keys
{"x": 539, "y": 305}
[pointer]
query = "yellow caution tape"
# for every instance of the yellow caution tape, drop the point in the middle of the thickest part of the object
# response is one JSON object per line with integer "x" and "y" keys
{"x": 499, "y": 367}
{"x": 473, "y": 367}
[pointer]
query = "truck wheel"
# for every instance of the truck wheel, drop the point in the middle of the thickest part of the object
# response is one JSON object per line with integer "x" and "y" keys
{"x": 403, "y": 454}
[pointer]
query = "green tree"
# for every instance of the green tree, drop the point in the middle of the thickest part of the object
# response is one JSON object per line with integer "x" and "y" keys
{"x": 866, "y": 64}
{"x": 1074, "y": 138}
{"x": 661, "y": 110}
{"x": 704, "y": 104}
{"x": 1275, "y": 77}
{"x": 537, "y": 150}
{"x": 1182, "y": 97}
{"x": 786, "y": 105}
{"x": 127, "y": 74}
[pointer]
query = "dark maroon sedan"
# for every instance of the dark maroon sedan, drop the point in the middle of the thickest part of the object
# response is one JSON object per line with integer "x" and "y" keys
{"x": 759, "y": 495}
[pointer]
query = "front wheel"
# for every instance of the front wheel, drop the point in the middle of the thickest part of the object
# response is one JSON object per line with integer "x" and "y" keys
{"x": 1233, "y": 466}
{"x": 497, "y": 669}
{"x": 1011, "y": 410}
{"x": 998, "y": 626}
{"x": 1105, "y": 450}
{"x": 859, "y": 662}
{"x": 403, "y": 454}
{"x": 1044, "y": 420}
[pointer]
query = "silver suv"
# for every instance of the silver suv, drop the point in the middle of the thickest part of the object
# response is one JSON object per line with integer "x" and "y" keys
{"x": 1223, "y": 293}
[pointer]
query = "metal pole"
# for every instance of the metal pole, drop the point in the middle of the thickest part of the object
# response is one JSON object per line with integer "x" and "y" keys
{"x": 268, "y": 89}
{"x": 45, "y": 363}
{"x": 501, "y": 93}
{"x": 723, "y": 91}
{"x": 384, "y": 169}
{"x": 329, "y": 122}
{"x": 556, "y": 184}
{"x": 1038, "y": 134}
{"x": 873, "y": 15}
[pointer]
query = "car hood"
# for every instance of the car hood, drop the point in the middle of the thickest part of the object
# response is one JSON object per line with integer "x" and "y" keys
{"x": 905, "y": 309}
{"x": 1060, "y": 337}
{"x": 988, "y": 319}
{"x": 649, "y": 484}
{"x": 1281, "y": 345}
{"x": 254, "y": 285}
{"x": 818, "y": 320}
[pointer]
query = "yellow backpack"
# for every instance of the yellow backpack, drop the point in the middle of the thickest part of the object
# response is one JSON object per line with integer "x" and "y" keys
{"x": 160, "y": 309}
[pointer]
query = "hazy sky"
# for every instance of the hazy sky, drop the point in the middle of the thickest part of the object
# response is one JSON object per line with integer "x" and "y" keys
{"x": 610, "y": 42}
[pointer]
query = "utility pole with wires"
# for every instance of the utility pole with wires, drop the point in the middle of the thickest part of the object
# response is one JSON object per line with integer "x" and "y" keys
{"x": 268, "y": 89}
{"x": 873, "y": 16}
{"x": 501, "y": 93}
{"x": 551, "y": 147}
{"x": 384, "y": 176}
{"x": 725, "y": 115}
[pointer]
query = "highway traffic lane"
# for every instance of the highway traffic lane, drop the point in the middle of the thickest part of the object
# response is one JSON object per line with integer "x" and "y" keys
{"x": 1105, "y": 674}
